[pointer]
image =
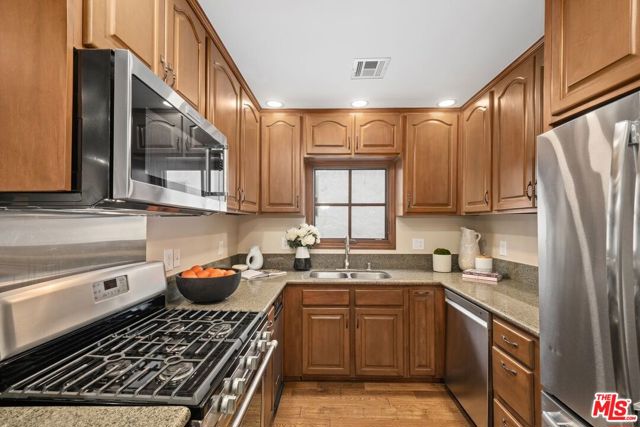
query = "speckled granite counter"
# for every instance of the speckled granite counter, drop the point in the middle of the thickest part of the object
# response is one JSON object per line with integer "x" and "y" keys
{"x": 94, "y": 416}
{"x": 508, "y": 299}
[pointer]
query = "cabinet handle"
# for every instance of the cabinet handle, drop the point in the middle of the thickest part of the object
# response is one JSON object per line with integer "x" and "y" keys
{"x": 423, "y": 293}
{"x": 486, "y": 197}
{"x": 504, "y": 423}
{"x": 297, "y": 201}
{"x": 530, "y": 190}
{"x": 349, "y": 142}
{"x": 510, "y": 371}
{"x": 165, "y": 68}
{"x": 347, "y": 323}
{"x": 357, "y": 323}
{"x": 408, "y": 200}
{"x": 357, "y": 142}
{"x": 511, "y": 343}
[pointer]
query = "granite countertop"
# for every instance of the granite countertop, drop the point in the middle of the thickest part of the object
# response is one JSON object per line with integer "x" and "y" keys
{"x": 94, "y": 416}
{"x": 508, "y": 299}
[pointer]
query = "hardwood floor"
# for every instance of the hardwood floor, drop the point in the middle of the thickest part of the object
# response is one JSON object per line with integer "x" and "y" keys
{"x": 338, "y": 404}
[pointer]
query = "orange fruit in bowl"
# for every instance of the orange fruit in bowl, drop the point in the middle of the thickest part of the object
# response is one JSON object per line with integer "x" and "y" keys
{"x": 229, "y": 273}
{"x": 189, "y": 274}
{"x": 203, "y": 274}
{"x": 209, "y": 270}
{"x": 217, "y": 273}
{"x": 196, "y": 268}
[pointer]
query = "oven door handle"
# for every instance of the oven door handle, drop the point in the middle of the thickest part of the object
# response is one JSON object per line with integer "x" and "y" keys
{"x": 239, "y": 415}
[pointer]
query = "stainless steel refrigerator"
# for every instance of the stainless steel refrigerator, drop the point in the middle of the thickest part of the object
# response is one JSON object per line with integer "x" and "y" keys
{"x": 588, "y": 190}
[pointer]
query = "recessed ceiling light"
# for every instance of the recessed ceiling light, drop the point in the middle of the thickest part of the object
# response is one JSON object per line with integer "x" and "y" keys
{"x": 275, "y": 104}
{"x": 447, "y": 103}
{"x": 359, "y": 103}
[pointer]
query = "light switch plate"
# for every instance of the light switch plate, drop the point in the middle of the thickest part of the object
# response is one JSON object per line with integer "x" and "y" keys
{"x": 417, "y": 244}
{"x": 176, "y": 258}
{"x": 503, "y": 248}
{"x": 168, "y": 259}
{"x": 284, "y": 243}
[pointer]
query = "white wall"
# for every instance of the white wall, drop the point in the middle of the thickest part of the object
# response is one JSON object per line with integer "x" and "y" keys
{"x": 520, "y": 231}
{"x": 200, "y": 239}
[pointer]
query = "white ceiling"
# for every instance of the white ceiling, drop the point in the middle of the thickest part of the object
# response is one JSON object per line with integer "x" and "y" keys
{"x": 301, "y": 51}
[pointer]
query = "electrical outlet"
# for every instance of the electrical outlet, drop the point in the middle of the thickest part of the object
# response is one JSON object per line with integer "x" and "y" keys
{"x": 284, "y": 244}
{"x": 168, "y": 259}
{"x": 221, "y": 247}
{"x": 503, "y": 248}
{"x": 176, "y": 258}
{"x": 417, "y": 244}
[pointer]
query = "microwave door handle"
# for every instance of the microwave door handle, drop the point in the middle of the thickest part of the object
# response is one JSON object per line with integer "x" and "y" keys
{"x": 207, "y": 171}
{"x": 635, "y": 142}
{"x": 613, "y": 260}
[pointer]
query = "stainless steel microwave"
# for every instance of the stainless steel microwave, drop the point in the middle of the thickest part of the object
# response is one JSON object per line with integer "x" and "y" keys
{"x": 137, "y": 145}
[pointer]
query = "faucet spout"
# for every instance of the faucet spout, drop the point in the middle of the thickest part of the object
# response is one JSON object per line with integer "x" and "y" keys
{"x": 346, "y": 252}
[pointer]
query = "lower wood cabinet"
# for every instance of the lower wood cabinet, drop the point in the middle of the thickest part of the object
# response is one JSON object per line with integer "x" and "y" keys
{"x": 359, "y": 331}
{"x": 379, "y": 347}
{"x": 325, "y": 341}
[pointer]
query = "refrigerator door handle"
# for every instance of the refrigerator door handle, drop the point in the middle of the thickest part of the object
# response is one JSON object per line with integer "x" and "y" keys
{"x": 635, "y": 142}
{"x": 615, "y": 285}
{"x": 556, "y": 419}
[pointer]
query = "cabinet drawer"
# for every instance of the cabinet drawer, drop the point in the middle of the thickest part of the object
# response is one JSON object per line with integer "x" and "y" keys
{"x": 513, "y": 383}
{"x": 502, "y": 417}
{"x": 379, "y": 297}
{"x": 514, "y": 343}
{"x": 325, "y": 297}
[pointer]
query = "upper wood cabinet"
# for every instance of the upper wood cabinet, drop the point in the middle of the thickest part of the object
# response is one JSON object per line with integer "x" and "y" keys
{"x": 328, "y": 133}
{"x": 514, "y": 133}
{"x": 430, "y": 162}
{"x": 325, "y": 341}
{"x": 186, "y": 46}
{"x": 223, "y": 110}
{"x": 475, "y": 149}
{"x": 250, "y": 154}
{"x": 593, "y": 52}
{"x": 123, "y": 24}
{"x": 36, "y": 41}
{"x": 281, "y": 164}
{"x": 379, "y": 347}
{"x": 378, "y": 133}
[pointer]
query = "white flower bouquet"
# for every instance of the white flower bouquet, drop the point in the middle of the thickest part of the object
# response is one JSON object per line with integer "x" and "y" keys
{"x": 304, "y": 235}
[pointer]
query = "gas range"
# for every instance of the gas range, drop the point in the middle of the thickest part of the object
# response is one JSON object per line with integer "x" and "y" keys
{"x": 143, "y": 354}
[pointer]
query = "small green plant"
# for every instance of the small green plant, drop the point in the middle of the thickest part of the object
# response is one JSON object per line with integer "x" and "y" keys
{"x": 442, "y": 251}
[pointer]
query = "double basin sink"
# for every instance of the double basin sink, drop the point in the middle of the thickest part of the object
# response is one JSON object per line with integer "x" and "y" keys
{"x": 350, "y": 274}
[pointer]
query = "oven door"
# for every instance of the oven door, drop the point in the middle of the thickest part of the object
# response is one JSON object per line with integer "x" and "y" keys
{"x": 164, "y": 152}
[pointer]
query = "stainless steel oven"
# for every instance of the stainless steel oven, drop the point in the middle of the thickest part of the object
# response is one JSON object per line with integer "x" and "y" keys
{"x": 137, "y": 144}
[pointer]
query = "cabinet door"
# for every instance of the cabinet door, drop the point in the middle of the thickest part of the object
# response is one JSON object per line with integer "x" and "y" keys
{"x": 250, "y": 155}
{"x": 223, "y": 110}
{"x": 378, "y": 133}
{"x": 514, "y": 139}
{"x": 37, "y": 93}
{"x": 186, "y": 38}
{"x": 594, "y": 49}
{"x": 278, "y": 359}
{"x": 379, "y": 341}
{"x": 476, "y": 155}
{"x": 281, "y": 180}
{"x": 325, "y": 341}
{"x": 422, "y": 332}
{"x": 431, "y": 162}
{"x": 329, "y": 133}
{"x": 123, "y": 24}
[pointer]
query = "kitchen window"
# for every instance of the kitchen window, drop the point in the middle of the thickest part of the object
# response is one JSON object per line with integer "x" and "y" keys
{"x": 352, "y": 199}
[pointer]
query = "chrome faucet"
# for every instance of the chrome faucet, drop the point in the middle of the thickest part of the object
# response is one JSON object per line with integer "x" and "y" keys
{"x": 346, "y": 252}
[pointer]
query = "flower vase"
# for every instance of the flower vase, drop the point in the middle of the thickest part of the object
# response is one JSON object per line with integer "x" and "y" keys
{"x": 302, "y": 262}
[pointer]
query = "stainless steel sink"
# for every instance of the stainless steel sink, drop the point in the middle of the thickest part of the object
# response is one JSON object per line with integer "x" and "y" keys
{"x": 356, "y": 275}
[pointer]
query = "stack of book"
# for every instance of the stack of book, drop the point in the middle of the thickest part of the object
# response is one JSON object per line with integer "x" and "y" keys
{"x": 483, "y": 276}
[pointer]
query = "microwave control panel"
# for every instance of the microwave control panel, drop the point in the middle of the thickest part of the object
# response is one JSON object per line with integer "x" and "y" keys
{"x": 110, "y": 288}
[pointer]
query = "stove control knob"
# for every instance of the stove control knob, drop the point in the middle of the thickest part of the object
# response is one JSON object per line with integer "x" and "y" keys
{"x": 228, "y": 404}
{"x": 267, "y": 335}
{"x": 262, "y": 346}
{"x": 237, "y": 385}
{"x": 226, "y": 384}
{"x": 252, "y": 363}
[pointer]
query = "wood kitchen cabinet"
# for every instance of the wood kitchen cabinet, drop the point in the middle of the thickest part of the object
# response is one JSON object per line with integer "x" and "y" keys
{"x": 430, "y": 162}
{"x": 515, "y": 122}
{"x": 379, "y": 349}
{"x": 325, "y": 341}
{"x": 592, "y": 53}
{"x": 426, "y": 335}
{"x": 475, "y": 151}
{"x": 223, "y": 110}
{"x": 249, "y": 159}
{"x": 186, "y": 53}
{"x": 378, "y": 133}
{"x": 135, "y": 25}
{"x": 281, "y": 180}
{"x": 272, "y": 381}
{"x": 328, "y": 133}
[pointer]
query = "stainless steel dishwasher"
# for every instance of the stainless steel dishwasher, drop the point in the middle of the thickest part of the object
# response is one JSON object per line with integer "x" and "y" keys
{"x": 467, "y": 360}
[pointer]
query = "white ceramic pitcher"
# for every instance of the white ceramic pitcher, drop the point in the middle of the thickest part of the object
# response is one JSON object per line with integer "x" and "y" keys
{"x": 469, "y": 248}
{"x": 255, "y": 260}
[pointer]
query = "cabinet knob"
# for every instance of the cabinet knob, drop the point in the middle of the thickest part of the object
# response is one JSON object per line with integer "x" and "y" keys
{"x": 530, "y": 190}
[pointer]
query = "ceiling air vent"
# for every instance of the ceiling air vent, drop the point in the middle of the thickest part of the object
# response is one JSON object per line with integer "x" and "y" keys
{"x": 369, "y": 68}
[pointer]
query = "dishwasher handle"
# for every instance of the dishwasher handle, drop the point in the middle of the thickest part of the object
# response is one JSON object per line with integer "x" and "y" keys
{"x": 477, "y": 319}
